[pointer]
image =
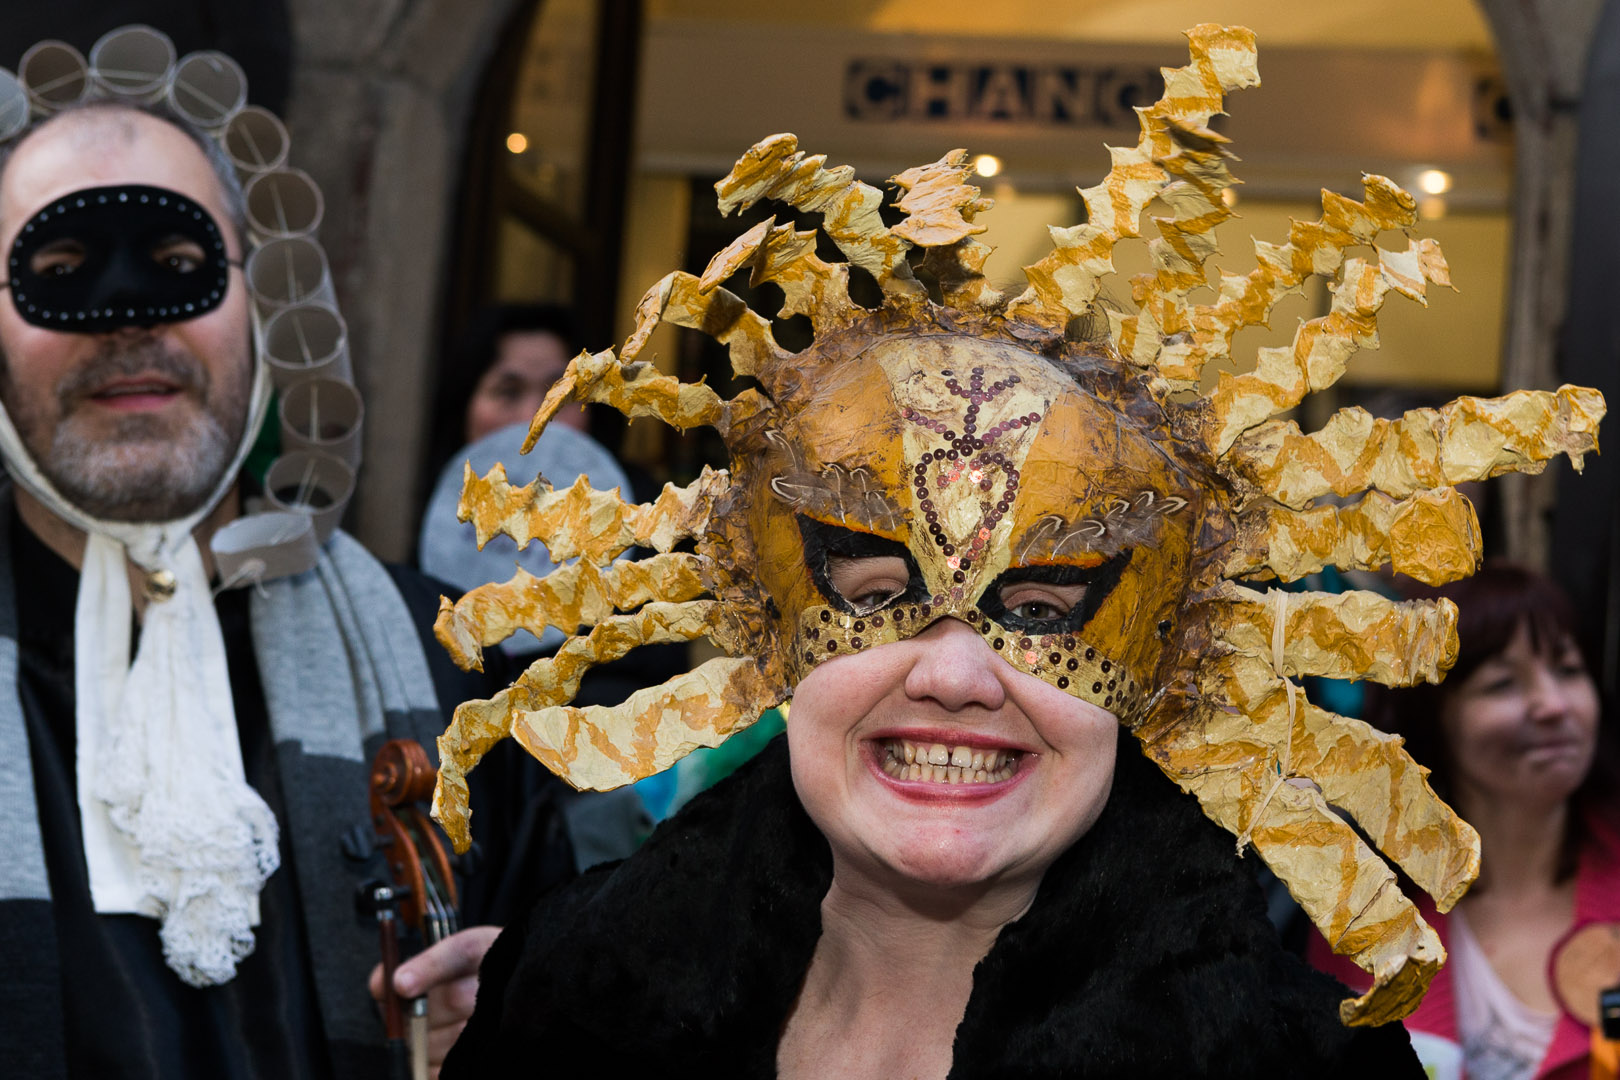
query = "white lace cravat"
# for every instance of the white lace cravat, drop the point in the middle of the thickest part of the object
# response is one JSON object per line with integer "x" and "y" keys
{"x": 172, "y": 830}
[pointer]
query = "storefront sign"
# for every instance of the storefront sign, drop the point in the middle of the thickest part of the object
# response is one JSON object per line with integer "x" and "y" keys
{"x": 889, "y": 90}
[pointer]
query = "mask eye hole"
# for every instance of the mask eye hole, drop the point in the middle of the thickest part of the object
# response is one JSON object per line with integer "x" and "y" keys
{"x": 178, "y": 254}
{"x": 858, "y": 572}
{"x": 1052, "y": 599}
{"x": 59, "y": 258}
{"x": 868, "y": 582}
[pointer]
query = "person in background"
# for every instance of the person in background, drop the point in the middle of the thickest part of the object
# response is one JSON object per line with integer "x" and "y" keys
{"x": 504, "y": 364}
{"x": 1515, "y": 738}
{"x": 531, "y": 353}
{"x": 501, "y": 368}
{"x": 499, "y": 371}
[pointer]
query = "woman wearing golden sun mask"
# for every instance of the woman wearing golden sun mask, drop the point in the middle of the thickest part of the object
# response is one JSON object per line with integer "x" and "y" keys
{"x": 1002, "y": 574}
{"x": 959, "y": 860}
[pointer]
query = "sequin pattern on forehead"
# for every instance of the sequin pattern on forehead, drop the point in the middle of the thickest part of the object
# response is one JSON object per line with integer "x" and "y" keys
{"x": 978, "y": 457}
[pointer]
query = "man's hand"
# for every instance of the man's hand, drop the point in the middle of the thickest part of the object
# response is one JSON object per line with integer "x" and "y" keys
{"x": 448, "y": 974}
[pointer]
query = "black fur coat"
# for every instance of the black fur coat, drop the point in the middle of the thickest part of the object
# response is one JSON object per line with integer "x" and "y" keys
{"x": 1146, "y": 953}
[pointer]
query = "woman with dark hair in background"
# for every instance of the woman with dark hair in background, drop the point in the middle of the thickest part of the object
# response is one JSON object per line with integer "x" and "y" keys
{"x": 1515, "y": 740}
{"x": 503, "y": 365}
{"x": 500, "y": 369}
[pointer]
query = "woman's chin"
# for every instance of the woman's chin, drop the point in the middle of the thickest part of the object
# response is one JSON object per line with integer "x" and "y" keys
{"x": 1552, "y": 775}
{"x": 942, "y": 856}
{"x": 944, "y": 875}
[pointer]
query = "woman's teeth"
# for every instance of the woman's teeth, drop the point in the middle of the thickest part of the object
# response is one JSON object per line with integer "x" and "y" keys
{"x": 941, "y": 764}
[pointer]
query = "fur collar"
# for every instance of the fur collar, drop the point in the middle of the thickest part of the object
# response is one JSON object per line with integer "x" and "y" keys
{"x": 1146, "y": 952}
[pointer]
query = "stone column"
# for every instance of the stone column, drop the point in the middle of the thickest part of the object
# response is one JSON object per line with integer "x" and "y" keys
{"x": 1543, "y": 46}
{"x": 381, "y": 94}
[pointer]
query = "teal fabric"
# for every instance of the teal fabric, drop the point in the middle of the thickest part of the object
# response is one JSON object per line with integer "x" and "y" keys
{"x": 666, "y": 792}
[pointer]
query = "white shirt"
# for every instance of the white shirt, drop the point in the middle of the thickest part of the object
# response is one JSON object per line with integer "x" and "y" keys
{"x": 1502, "y": 1038}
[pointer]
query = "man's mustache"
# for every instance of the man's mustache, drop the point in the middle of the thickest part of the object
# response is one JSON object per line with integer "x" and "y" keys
{"x": 117, "y": 360}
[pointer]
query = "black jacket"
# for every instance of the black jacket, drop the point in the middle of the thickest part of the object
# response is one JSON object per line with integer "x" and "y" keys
{"x": 1146, "y": 953}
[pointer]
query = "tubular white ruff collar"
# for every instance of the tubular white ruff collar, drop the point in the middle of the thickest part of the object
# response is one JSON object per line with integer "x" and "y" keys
{"x": 172, "y": 830}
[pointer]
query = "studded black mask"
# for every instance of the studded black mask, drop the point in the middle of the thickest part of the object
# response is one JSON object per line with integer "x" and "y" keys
{"x": 106, "y": 258}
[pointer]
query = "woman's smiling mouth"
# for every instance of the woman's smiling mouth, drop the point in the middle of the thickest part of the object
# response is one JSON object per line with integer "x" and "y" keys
{"x": 939, "y": 763}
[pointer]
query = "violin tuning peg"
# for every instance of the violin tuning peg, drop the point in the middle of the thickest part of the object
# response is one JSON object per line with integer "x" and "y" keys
{"x": 1609, "y": 1012}
{"x": 374, "y": 898}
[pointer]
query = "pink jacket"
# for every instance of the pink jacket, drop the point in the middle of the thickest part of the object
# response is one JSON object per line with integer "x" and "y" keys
{"x": 1597, "y": 899}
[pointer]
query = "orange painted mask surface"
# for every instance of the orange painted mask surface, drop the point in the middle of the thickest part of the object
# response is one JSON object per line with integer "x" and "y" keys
{"x": 979, "y": 458}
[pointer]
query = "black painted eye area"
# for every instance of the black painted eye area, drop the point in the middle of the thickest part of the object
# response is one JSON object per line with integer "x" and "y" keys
{"x": 1051, "y": 599}
{"x": 857, "y": 572}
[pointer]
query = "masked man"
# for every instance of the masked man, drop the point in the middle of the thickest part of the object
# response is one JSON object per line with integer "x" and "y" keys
{"x": 183, "y": 766}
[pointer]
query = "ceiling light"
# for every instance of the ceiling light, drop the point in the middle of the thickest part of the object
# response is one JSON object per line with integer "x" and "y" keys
{"x": 1434, "y": 181}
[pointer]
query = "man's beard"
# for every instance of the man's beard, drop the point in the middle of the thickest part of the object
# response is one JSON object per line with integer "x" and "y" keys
{"x": 151, "y": 468}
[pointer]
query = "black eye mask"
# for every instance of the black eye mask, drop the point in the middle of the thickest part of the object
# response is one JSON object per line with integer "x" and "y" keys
{"x": 107, "y": 258}
{"x": 822, "y": 541}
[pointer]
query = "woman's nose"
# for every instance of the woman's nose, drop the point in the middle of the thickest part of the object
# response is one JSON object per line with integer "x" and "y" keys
{"x": 956, "y": 667}
{"x": 1549, "y": 694}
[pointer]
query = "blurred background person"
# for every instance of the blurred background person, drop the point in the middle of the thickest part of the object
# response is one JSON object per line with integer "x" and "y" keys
{"x": 504, "y": 364}
{"x": 1515, "y": 738}
{"x": 508, "y": 359}
{"x": 499, "y": 372}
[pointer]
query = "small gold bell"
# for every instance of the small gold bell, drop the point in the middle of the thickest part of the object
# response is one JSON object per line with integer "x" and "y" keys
{"x": 160, "y": 585}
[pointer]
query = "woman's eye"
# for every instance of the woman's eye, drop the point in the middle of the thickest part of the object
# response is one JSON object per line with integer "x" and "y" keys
{"x": 874, "y": 598}
{"x": 510, "y": 390}
{"x": 1040, "y": 601}
{"x": 1570, "y": 664}
{"x": 868, "y": 582}
{"x": 57, "y": 260}
{"x": 179, "y": 255}
{"x": 503, "y": 387}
